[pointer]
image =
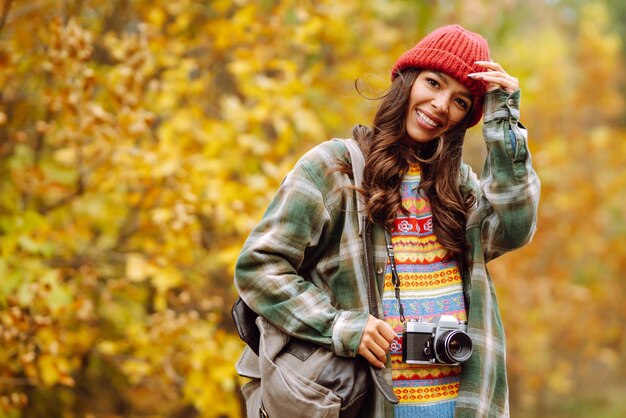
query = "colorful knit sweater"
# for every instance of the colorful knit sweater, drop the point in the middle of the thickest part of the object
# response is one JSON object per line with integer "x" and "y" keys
{"x": 430, "y": 285}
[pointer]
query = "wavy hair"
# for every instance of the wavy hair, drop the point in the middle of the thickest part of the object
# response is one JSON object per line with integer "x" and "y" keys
{"x": 387, "y": 159}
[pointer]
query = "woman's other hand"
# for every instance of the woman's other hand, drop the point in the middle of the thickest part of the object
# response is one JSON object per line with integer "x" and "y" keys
{"x": 376, "y": 340}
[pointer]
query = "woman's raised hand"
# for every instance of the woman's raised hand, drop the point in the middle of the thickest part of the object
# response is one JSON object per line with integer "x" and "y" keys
{"x": 496, "y": 77}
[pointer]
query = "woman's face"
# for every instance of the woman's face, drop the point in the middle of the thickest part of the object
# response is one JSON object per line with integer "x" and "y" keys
{"x": 437, "y": 103}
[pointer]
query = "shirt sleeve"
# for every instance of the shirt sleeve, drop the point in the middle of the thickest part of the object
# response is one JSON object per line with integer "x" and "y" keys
{"x": 295, "y": 227}
{"x": 510, "y": 188}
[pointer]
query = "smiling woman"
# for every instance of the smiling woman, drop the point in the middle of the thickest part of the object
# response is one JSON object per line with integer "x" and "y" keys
{"x": 425, "y": 234}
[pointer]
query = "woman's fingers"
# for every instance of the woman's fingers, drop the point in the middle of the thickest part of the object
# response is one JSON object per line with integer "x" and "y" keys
{"x": 378, "y": 351}
{"x": 375, "y": 342}
{"x": 497, "y": 80}
{"x": 386, "y": 331}
{"x": 373, "y": 353}
{"x": 371, "y": 359}
{"x": 496, "y": 77}
{"x": 494, "y": 66}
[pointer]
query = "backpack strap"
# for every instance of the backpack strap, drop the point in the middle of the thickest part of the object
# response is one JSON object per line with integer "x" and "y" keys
{"x": 358, "y": 165}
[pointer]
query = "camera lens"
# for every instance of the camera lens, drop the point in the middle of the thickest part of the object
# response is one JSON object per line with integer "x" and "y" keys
{"x": 453, "y": 347}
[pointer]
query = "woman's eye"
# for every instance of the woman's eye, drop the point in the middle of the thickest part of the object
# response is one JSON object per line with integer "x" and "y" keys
{"x": 462, "y": 103}
{"x": 432, "y": 82}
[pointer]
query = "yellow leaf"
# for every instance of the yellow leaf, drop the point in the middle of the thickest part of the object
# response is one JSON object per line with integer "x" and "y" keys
{"x": 137, "y": 268}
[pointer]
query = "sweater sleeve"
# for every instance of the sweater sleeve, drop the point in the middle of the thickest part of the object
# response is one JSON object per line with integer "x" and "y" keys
{"x": 509, "y": 186}
{"x": 296, "y": 226}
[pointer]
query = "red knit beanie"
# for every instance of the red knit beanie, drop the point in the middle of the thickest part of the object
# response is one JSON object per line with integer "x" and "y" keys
{"x": 452, "y": 50}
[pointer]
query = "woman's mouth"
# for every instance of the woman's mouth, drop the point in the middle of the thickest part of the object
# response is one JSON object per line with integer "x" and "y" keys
{"x": 427, "y": 119}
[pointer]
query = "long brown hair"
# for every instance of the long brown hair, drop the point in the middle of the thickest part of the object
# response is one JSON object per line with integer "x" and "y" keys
{"x": 387, "y": 159}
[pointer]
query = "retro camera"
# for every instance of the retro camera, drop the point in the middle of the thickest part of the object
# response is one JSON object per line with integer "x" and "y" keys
{"x": 443, "y": 341}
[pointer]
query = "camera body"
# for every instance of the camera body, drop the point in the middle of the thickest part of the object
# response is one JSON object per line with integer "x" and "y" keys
{"x": 444, "y": 341}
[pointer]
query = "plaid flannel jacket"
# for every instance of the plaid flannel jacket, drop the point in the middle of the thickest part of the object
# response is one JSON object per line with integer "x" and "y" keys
{"x": 302, "y": 267}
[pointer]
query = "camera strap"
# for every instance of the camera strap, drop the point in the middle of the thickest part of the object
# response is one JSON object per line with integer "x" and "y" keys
{"x": 395, "y": 279}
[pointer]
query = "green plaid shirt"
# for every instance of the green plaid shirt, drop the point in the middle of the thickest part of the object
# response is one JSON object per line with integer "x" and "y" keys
{"x": 302, "y": 266}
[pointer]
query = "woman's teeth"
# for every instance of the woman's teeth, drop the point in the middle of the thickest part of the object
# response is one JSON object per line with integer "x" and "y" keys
{"x": 427, "y": 120}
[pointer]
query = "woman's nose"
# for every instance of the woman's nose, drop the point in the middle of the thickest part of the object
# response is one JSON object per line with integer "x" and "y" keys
{"x": 440, "y": 103}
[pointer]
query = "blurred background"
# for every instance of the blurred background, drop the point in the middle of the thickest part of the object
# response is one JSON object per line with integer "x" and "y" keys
{"x": 140, "y": 141}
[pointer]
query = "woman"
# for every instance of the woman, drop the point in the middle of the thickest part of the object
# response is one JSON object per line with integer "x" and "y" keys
{"x": 300, "y": 266}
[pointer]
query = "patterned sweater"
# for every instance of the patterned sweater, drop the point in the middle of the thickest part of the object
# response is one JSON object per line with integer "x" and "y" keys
{"x": 430, "y": 285}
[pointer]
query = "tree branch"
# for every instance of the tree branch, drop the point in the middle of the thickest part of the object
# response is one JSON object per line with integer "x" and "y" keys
{"x": 80, "y": 189}
{"x": 5, "y": 13}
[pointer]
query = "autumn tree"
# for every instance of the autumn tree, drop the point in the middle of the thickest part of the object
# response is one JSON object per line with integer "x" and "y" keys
{"x": 140, "y": 142}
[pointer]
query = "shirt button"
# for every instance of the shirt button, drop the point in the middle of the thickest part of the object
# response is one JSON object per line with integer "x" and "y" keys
{"x": 510, "y": 102}
{"x": 379, "y": 270}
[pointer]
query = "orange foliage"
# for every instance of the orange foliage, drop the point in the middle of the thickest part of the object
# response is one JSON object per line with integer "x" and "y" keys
{"x": 140, "y": 141}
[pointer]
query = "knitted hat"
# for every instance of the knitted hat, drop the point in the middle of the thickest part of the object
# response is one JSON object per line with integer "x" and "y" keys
{"x": 452, "y": 50}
